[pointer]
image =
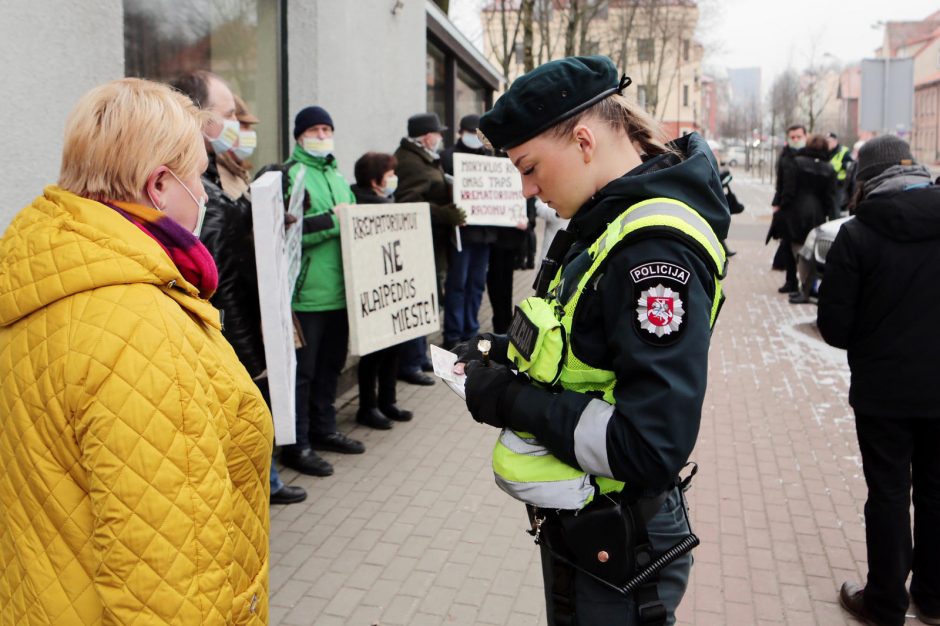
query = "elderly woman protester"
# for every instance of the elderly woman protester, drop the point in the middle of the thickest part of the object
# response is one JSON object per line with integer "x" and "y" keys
{"x": 134, "y": 448}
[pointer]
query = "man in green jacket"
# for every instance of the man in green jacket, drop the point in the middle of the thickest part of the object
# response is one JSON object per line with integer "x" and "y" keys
{"x": 319, "y": 297}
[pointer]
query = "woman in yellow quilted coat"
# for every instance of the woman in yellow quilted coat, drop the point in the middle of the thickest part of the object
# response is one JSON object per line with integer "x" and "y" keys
{"x": 134, "y": 447}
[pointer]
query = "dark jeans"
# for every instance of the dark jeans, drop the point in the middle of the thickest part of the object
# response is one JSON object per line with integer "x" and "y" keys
{"x": 381, "y": 365}
{"x": 412, "y": 355}
{"x": 597, "y": 605}
{"x": 898, "y": 454}
{"x": 499, "y": 287}
{"x": 319, "y": 364}
{"x": 463, "y": 291}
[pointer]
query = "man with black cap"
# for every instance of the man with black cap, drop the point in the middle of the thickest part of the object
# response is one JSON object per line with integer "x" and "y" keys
{"x": 319, "y": 297}
{"x": 612, "y": 351}
{"x": 879, "y": 301}
{"x": 466, "y": 271}
{"x": 421, "y": 179}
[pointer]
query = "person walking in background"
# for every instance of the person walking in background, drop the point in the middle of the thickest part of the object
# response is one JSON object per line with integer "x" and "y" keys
{"x": 319, "y": 298}
{"x": 807, "y": 194}
{"x": 881, "y": 270}
{"x": 783, "y": 258}
{"x": 376, "y": 183}
{"x": 227, "y": 234}
{"x": 840, "y": 157}
{"x": 134, "y": 447}
{"x": 466, "y": 272}
{"x": 421, "y": 179}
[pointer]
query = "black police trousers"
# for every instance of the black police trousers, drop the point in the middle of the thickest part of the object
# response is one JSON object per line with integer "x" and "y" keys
{"x": 573, "y": 598}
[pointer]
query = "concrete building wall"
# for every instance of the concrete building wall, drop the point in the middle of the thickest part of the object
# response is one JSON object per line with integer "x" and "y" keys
{"x": 53, "y": 52}
{"x": 363, "y": 64}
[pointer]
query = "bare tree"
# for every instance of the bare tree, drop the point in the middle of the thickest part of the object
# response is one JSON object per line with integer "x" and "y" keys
{"x": 661, "y": 29}
{"x": 818, "y": 88}
{"x": 503, "y": 21}
{"x": 784, "y": 100}
{"x": 528, "y": 56}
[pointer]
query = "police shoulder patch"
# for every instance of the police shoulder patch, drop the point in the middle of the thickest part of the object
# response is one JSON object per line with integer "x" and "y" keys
{"x": 660, "y": 290}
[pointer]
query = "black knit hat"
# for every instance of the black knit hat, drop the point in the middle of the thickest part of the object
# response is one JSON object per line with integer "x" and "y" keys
{"x": 470, "y": 123}
{"x": 548, "y": 95}
{"x": 311, "y": 116}
{"x": 880, "y": 153}
{"x": 424, "y": 123}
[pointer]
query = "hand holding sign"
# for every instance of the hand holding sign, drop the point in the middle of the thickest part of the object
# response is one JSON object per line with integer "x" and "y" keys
{"x": 489, "y": 189}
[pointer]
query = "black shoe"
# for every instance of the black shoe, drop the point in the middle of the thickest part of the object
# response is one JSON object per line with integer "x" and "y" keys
{"x": 307, "y": 462}
{"x": 925, "y": 617}
{"x": 416, "y": 378}
{"x": 289, "y": 494}
{"x": 427, "y": 366}
{"x": 373, "y": 418}
{"x": 789, "y": 288}
{"x": 799, "y": 298}
{"x": 338, "y": 442}
{"x": 392, "y": 412}
{"x": 852, "y": 599}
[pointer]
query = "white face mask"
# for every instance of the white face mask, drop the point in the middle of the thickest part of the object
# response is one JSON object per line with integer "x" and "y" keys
{"x": 227, "y": 138}
{"x": 201, "y": 206}
{"x": 471, "y": 141}
{"x": 247, "y": 142}
{"x": 391, "y": 184}
{"x": 798, "y": 144}
{"x": 315, "y": 147}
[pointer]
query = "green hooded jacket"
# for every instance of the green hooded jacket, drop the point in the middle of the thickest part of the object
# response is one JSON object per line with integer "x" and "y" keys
{"x": 320, "y": 286}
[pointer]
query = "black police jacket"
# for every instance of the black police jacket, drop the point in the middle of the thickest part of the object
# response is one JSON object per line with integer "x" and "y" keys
{"x": 660, "y": 380}
{"x": 879, "y": 300}
{"x": 227, "y": 234}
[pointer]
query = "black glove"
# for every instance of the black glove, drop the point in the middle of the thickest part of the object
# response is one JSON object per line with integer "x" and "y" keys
{"x": 467, "y": 351}
{"x": 491, "y": 391}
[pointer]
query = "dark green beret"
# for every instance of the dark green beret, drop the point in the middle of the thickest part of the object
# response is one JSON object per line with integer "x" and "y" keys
{"x": 549, "y": 94}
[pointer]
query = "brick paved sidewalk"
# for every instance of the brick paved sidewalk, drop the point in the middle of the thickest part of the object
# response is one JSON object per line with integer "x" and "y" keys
{"x": 415, "y": 532}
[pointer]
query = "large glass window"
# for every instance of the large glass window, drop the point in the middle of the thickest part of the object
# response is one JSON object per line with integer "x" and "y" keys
{"x": 471, "y": 96}
{"x": 237, "y": 39}
{"x": 436, "y": 79}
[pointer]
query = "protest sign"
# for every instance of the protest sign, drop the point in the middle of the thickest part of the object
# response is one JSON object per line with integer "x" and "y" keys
{"x": 388, "y": 267}
{"x": 489, "y": 190}
{"x": 273, "y": 257}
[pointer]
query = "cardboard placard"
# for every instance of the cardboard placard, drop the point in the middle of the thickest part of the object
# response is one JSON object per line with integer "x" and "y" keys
{"x": 388, "y": 268}
{"x": 489, "y": 189}
{"x": 274, "y": 251}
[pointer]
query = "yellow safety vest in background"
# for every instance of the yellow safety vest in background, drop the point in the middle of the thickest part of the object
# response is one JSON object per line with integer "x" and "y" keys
{"x": 837, "y": 165}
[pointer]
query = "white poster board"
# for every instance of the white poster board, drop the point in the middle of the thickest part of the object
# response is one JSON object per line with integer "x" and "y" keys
{"x": 274, "y": 293}
{"x": 388, "y": 267}
{"x": 489, "y": 190}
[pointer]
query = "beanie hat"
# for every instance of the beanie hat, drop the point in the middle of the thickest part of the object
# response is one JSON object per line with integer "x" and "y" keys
{"x": 880, "y": 153}
{"x": 311, "y": 116}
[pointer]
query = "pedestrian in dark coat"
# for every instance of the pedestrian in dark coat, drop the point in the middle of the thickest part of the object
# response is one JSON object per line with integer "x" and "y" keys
{"x": 807, "y": 193}
{"x": 376, "y": 184}
{"x": 879, "y": 301}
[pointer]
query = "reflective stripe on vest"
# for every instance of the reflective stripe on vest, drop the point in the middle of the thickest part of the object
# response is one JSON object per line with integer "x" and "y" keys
{"x": 836, "y": 162}
{"x": 523, "y": 467}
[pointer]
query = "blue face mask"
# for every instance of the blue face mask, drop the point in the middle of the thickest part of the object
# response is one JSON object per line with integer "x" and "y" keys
{"x": 227, "y": 138}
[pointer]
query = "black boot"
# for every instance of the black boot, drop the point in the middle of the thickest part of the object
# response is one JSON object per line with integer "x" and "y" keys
{"x": 373, "y": 418}
{"x": 392, "y": 412}
{"x": 789, "y": 287}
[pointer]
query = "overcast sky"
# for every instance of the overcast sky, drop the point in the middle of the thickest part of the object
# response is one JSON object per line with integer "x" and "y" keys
{"x": 775, "y": 34}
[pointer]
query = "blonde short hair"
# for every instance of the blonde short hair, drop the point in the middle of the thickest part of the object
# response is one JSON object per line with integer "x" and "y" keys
{"x": 119, "y": 132}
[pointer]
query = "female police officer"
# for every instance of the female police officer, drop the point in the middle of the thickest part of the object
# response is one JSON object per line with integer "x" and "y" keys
{"x": 613, "y": 347}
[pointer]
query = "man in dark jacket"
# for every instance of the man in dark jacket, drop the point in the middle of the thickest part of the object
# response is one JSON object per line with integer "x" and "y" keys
{"x": 783, "y": 258}
{"x": 421, "y": 179}
{"x": 842, "y": 162}
{"x": 227, "y": 234}
{"x": 806, "y": 193}
{"x": 466, "y": 271}
{"x": 879, "y": 301}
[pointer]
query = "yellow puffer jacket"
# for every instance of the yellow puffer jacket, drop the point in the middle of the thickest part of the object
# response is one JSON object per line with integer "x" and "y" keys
{"x": 134, "y": 448}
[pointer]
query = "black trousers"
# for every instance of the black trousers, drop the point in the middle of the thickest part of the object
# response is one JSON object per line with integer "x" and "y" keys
{"x": 499, "y": 286}
{"x": 382, "y": 366}
{"x": 899, "y": 454}
{"x": 319, "y": 364}
{"x": 785, "y": 254}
